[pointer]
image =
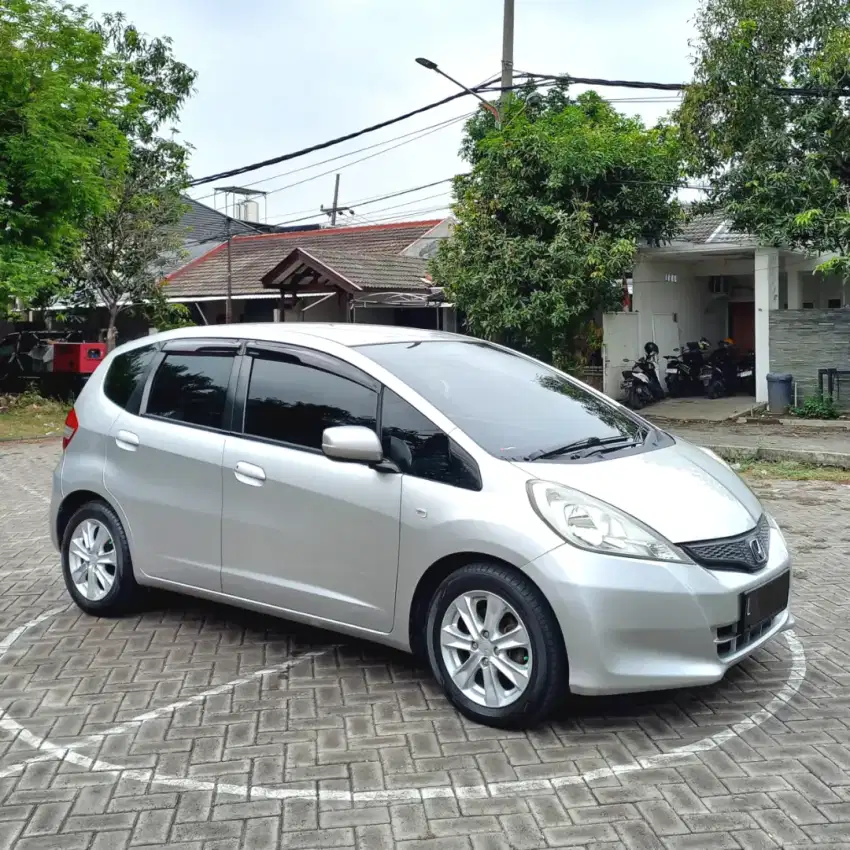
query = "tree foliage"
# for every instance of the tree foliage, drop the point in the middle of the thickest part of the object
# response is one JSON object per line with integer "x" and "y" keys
{"x": 58, "y": 100}
{"x": 779, "y": 165}
{"x": 550, "y": 216}
{"x": 126, "y": 245}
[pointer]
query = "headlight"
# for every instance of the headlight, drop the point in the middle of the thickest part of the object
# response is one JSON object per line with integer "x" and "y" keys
{"x": 598, "y": 527}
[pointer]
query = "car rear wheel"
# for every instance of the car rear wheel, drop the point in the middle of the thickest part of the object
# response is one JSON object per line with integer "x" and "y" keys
{"x": 495, "y": 647}
{"x": 96, "y": 562}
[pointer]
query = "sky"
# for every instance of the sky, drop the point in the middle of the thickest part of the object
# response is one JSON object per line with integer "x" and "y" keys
{"x": 278, "y": 75}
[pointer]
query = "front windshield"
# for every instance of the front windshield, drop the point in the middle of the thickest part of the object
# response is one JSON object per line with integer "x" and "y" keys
{"x": 514, "y": 408}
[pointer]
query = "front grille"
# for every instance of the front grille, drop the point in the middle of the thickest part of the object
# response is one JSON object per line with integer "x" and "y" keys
{"x": 732, "y": 639}
{"x": 739, "y": 553}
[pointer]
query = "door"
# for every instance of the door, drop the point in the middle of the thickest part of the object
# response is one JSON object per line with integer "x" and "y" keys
{"x": 742, "y": 325}
{"x": 665, "y": 334}
{"x": 300, "y": 531}
{"x": 164, "y": 466}
{"x": 619, "y": 343}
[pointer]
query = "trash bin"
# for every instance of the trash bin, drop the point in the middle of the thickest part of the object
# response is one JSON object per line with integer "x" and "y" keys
{"x": 780, "y": 392}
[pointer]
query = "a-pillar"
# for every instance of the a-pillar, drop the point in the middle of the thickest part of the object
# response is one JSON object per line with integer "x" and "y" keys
{"x": 766, "y": 300}
{"x": 795, "y": 289}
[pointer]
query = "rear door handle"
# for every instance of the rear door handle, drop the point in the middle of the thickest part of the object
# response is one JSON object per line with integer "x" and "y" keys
{"x": 249, "y": 474}
{"x": 127, "y": 440}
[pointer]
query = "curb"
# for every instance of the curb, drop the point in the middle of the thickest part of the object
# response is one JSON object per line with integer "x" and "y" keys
{"x": 841, "y": 460}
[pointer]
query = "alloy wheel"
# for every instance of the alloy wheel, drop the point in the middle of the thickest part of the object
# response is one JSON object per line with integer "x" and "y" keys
{"x": 92, "y": 560}
{"x": 486, "y": 649}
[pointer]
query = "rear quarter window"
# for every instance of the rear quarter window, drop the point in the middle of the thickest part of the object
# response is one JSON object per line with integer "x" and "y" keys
{"x": 125, "y": 379}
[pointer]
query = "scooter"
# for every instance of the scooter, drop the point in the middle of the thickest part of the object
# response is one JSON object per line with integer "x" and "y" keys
{"x": 636, "y": 386}
{"x": 746, "y": 374}
{"x": 649, "y": 364}
{"x": 719, "y": 375}
{"x": 682, "y": 372}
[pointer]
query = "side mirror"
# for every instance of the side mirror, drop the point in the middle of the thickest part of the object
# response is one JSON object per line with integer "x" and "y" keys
{"x": 352, "y": 443}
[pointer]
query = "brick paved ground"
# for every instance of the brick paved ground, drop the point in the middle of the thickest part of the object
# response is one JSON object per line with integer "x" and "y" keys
{"x": 358, "y": 719}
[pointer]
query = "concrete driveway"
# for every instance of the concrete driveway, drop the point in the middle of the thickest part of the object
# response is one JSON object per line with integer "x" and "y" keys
{"x": 198, "y": 727}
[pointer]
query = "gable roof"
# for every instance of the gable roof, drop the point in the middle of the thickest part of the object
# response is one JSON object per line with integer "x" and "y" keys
{"x": 252, "y": 257}
{"x": 712, "y": 229}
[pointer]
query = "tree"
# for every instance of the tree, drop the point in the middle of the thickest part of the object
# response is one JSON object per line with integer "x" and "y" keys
{"x": 57, "y": 135}
{"x": 126, "y": 244}
{"x": 778, "y": 164}
{"x": 550, "y": 216}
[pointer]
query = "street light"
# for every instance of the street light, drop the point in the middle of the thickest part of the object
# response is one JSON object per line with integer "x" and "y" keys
{"x": 432, "y": 66}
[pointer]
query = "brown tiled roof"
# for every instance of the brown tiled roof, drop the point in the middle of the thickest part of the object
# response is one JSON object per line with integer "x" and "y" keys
{"x": 366, "y": 271}
{"x": 253, "y": 256}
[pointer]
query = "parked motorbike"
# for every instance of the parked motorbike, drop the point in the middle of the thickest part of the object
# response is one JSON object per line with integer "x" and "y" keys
{"x": 636, "y": 386}
{"x": 746, "y": 374}
{"x": 649, "y": 364}
{"x": 719, "y": 375}
{"x": 682, "y": 372}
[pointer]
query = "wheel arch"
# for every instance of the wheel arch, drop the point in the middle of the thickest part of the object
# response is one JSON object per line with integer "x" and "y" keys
{"x": 433, "y": 577}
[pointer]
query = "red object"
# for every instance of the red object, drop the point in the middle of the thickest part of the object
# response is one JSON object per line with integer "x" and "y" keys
{"x": 71, "y": 426}
{"x": 79, "y": 358}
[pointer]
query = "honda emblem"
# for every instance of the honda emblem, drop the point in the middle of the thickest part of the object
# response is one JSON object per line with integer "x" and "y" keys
{"x": 759, "y": 555}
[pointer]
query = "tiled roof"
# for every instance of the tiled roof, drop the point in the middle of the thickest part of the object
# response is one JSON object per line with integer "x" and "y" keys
{"x": 253, "y": 256}
{"x": 712, "y": 229}
{"x": 372, "y": 271}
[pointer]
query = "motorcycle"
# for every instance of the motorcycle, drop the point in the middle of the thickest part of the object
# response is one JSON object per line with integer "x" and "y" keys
{"x": 719, "y": 375}
{"x": 649, "y": 365}
{"x": 682, "y": 372}
{"x": 746, "y": 374}
{"x": 636, "y": 386}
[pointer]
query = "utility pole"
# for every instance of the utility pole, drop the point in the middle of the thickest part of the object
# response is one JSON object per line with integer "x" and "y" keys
{"x": 507, "y": 56}
{"x": 333, "y": 210}
{"x": 228, "y": 303}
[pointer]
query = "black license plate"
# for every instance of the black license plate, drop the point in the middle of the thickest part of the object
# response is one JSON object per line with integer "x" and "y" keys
{"x": 766, "y": 601}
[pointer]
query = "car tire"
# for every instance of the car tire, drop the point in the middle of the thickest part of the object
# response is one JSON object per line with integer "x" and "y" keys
{"x": 96, "y": 563}
{"x": 538, "y": 682}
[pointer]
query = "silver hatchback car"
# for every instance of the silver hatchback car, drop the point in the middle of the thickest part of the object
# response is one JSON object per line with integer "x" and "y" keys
{"x": 522, "y": 532}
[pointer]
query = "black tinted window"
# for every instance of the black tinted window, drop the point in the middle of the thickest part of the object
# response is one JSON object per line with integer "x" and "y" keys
{"x": 511, "y": 406}
{"x": 420, "y": 448}
{"x": 126, "y": 375}
{"x": 294, "y": 403}
{"x": 191, "y": 388}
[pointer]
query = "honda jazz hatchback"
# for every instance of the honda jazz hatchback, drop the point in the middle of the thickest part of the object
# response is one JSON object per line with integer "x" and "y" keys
{"x": 519, "y": 531}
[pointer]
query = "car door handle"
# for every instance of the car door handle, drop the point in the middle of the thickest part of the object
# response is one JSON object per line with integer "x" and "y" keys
{"x": 247, "y": 473}
{"x": 127, "y": 440}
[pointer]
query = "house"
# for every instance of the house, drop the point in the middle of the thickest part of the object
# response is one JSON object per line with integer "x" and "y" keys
{"x": 204, "y": 228}
{"x": 365, "y": 273}
{"x": 713, "y": 282}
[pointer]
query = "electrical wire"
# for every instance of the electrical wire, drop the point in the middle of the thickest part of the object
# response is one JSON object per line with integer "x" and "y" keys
{"x": 553, "y": 79}
{"x": 422, "y": 130}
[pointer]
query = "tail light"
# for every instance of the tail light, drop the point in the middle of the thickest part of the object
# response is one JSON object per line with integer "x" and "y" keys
{"x": 71, "y": 426}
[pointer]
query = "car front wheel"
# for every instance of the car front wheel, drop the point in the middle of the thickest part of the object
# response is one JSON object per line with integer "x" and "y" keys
{"x": 495, "y": 647}
{"x": 96, "y": 562}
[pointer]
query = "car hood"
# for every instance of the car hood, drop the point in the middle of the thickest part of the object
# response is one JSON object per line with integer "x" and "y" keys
{"x": 681, "y": 491}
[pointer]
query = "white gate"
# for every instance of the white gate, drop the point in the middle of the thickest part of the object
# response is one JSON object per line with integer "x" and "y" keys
{"x": 620, "y": 341}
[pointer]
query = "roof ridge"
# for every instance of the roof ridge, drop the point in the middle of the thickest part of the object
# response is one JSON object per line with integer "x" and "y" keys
{"x": 358, "y": 228}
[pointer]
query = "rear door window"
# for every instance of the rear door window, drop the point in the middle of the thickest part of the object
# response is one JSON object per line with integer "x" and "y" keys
{"x": 192, "y": 389}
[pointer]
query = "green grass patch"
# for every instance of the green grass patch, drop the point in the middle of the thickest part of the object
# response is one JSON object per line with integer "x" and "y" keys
{"x": 791, "y": 471}
{"x": 28, "y": 416}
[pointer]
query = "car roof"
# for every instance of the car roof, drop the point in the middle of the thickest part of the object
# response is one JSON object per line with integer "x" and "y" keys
{"x": 344, "y": 334}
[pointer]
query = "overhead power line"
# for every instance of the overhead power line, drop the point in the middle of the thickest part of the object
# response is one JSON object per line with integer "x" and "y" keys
{"x": 420, "y": 133}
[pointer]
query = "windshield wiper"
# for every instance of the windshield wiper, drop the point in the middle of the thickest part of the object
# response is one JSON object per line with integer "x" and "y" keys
{"x": 582, "y": 445}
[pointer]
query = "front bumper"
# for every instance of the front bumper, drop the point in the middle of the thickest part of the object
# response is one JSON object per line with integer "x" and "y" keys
{"x": 632, "y": 625}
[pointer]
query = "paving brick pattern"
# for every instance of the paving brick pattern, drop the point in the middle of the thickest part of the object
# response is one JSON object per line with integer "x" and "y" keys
{"x": 353, "y": 717}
